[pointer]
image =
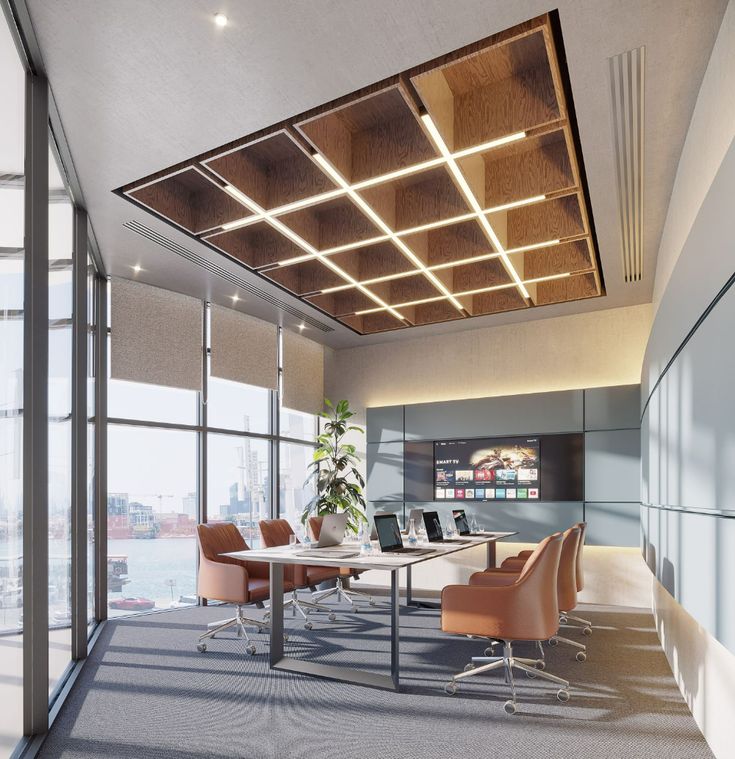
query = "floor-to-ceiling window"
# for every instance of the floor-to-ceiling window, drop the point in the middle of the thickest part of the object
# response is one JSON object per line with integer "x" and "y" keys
{"x": 155, "y": 437}
{"x": 60, "y": 248}
{"x": 12, "y": 79}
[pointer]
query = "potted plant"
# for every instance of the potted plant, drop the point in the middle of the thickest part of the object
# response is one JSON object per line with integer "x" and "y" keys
{"x": 333, "y": 470}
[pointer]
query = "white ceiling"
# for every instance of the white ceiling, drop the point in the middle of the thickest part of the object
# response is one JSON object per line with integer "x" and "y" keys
{"x": 144, "y": 84}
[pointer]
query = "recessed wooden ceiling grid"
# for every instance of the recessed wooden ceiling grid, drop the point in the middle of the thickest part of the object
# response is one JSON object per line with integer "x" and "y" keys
{"x": 449, "y": 191}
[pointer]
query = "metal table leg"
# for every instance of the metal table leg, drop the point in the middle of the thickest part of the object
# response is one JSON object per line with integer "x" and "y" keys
{"x": 316, "y": 669}
{"x": 491, "y": 555}
{"x": 395, "y": 612}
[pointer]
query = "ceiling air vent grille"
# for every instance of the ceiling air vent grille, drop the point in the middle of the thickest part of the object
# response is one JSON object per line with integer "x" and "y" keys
{"x": 189, "y": 255}
{"x": 626, "y": 90}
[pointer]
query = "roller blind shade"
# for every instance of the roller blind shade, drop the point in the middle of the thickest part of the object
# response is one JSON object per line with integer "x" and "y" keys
{"x": 244, "y": 349}
{"x": 156, "y": 336}
{"x": 303, "y": 374}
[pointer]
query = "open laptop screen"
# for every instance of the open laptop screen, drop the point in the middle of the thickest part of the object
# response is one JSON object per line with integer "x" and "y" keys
{"x": 460, "y": 520}
{"x": 433, "y": 526}
{"x": 389, "y": 533}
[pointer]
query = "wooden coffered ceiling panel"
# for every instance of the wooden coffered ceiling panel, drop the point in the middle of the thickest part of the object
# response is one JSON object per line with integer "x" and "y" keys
{"x": 449, "y": 191}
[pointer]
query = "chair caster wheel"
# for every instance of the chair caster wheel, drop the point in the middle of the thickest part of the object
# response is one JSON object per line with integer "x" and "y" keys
{"x": 469, "y": 667}
{"x": 451, "y": 688}
{"x": 532, "y": 675}
{"x": 201, "y": 647}
{"x": 490, "y": 651}
{"x": 563, "y": 695}
{"x": 251, "y": 650}
{"x": 212, "y": 637}
{"x": 553, "y": 642}
{"x": 510, "y": 707}
{"x": 563, "y": 620}
{"x": 587, "y": 631}
{"x": 308, "y": 625}
{"x": 371, "y": 602}
{"x": 581, "y": 656}
{"x": 541, "y": 664}
{"x": 332, "y": 616}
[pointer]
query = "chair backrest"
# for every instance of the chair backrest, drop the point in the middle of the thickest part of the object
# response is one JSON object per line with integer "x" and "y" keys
{"x": 275, "y": 532}
{"x": 220, "y": 537}
{"x": 580, "y": 550}
{"x": 538, "y": 581}
{"x": 315, "y": 527}
{"x": 566, "y": 582}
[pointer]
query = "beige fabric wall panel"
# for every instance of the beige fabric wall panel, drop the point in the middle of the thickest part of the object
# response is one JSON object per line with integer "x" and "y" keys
{"x": 596, "y": 349}
{"x": 303, "y": 374}
{"x": 244, "y": 349}
{"x": 156, "y": 336}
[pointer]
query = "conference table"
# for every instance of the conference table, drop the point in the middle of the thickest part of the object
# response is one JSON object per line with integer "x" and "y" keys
{"x": 280, "y": 556}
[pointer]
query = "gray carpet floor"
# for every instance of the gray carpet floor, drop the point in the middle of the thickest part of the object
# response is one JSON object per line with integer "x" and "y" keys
{"x": 146, "y": 692}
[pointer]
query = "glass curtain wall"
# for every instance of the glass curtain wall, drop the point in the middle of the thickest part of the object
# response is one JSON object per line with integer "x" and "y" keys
{"x": 154, "y": 503}
{"x": 12, "y": 97}
{"x": 60, "y": 248}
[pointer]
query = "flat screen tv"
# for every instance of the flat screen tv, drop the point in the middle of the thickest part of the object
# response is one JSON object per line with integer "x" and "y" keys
{"x": 538, "y": 468}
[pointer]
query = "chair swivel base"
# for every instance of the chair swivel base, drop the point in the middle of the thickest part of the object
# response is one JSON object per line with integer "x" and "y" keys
{"x": 343, "y": 594}
{"x": 586, "y": 630}
{"x": 508, "y": 662}
{"x": 581, "y": 654}
{"x": 239, "y": 621}
{"x": 305, "y": 608}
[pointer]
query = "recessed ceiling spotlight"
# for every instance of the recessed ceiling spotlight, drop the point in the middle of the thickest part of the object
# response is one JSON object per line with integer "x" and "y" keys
{"x": 137, "y": 268}
{"x": 220, "y": 19}
{"x": 302, "y": 327}
{"x": 235, "y": 298}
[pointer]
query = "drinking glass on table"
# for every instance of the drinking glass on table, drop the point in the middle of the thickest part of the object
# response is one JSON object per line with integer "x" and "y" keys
{"x": 292, "y": 541}
{"x": 473, "y": 524}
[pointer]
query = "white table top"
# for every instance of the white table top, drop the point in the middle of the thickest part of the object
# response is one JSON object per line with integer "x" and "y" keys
{"x": 377, "y": 560}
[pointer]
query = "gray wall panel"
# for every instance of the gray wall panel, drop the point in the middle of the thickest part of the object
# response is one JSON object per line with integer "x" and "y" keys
{"x": 612, "y": 465}
{"x": 384, "y": 424}
{"x": 613, "y": 524}
{"x": 612, "y": 408}
{"x": 688, "y": 443}
{"x": 487, "y": 417}
{"x": 691, "y": 555}
{"x": 384, "y": 471}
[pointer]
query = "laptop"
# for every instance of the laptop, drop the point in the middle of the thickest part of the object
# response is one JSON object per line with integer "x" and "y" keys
{"x": 389, "y": 536}
{"x": 333, "y": 530}
{"x": 434, "y": 530}
{"x": 416, "y": 515}
{"x": 460, "y": 520}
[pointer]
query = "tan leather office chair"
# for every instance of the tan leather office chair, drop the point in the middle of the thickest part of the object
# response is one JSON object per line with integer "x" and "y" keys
{"x": 566, "y": 583}
{"x": 345, "y": 573}
{"x": 587, "y": 625}
{"x": 223, "y": 578}
{"x": 508, "y": 608}
{"x": 276, "y": 532}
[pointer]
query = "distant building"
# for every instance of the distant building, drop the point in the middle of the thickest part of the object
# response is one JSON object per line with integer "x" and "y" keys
{"x": 117, "y": 504}
{"x": 190, "y": 504}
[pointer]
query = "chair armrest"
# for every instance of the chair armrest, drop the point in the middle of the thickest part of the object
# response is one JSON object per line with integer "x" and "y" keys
{"x": 223, "y": 582}
{"x": 514, "y": 563}
{"x": 494, "y": 578}
{"x": 525, "y": 554}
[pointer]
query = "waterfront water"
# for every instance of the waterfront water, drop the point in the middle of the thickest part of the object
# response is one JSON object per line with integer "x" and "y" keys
{"x": 161, "y": 570}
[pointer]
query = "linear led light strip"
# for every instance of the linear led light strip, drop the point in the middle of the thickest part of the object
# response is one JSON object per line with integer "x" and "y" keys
{"x": 390, "y": 176}
{"x": 378, "y": 221}
{"x": 414, "y": 230}
{"x": 480, "y": 290}
{"x": 472, "y": 200}
{"x": 284, "y": 230}
{"x": 447, "y": 265}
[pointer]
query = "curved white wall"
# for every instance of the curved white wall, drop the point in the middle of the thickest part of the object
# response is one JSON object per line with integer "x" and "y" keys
{"x": 688, "y": 414}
